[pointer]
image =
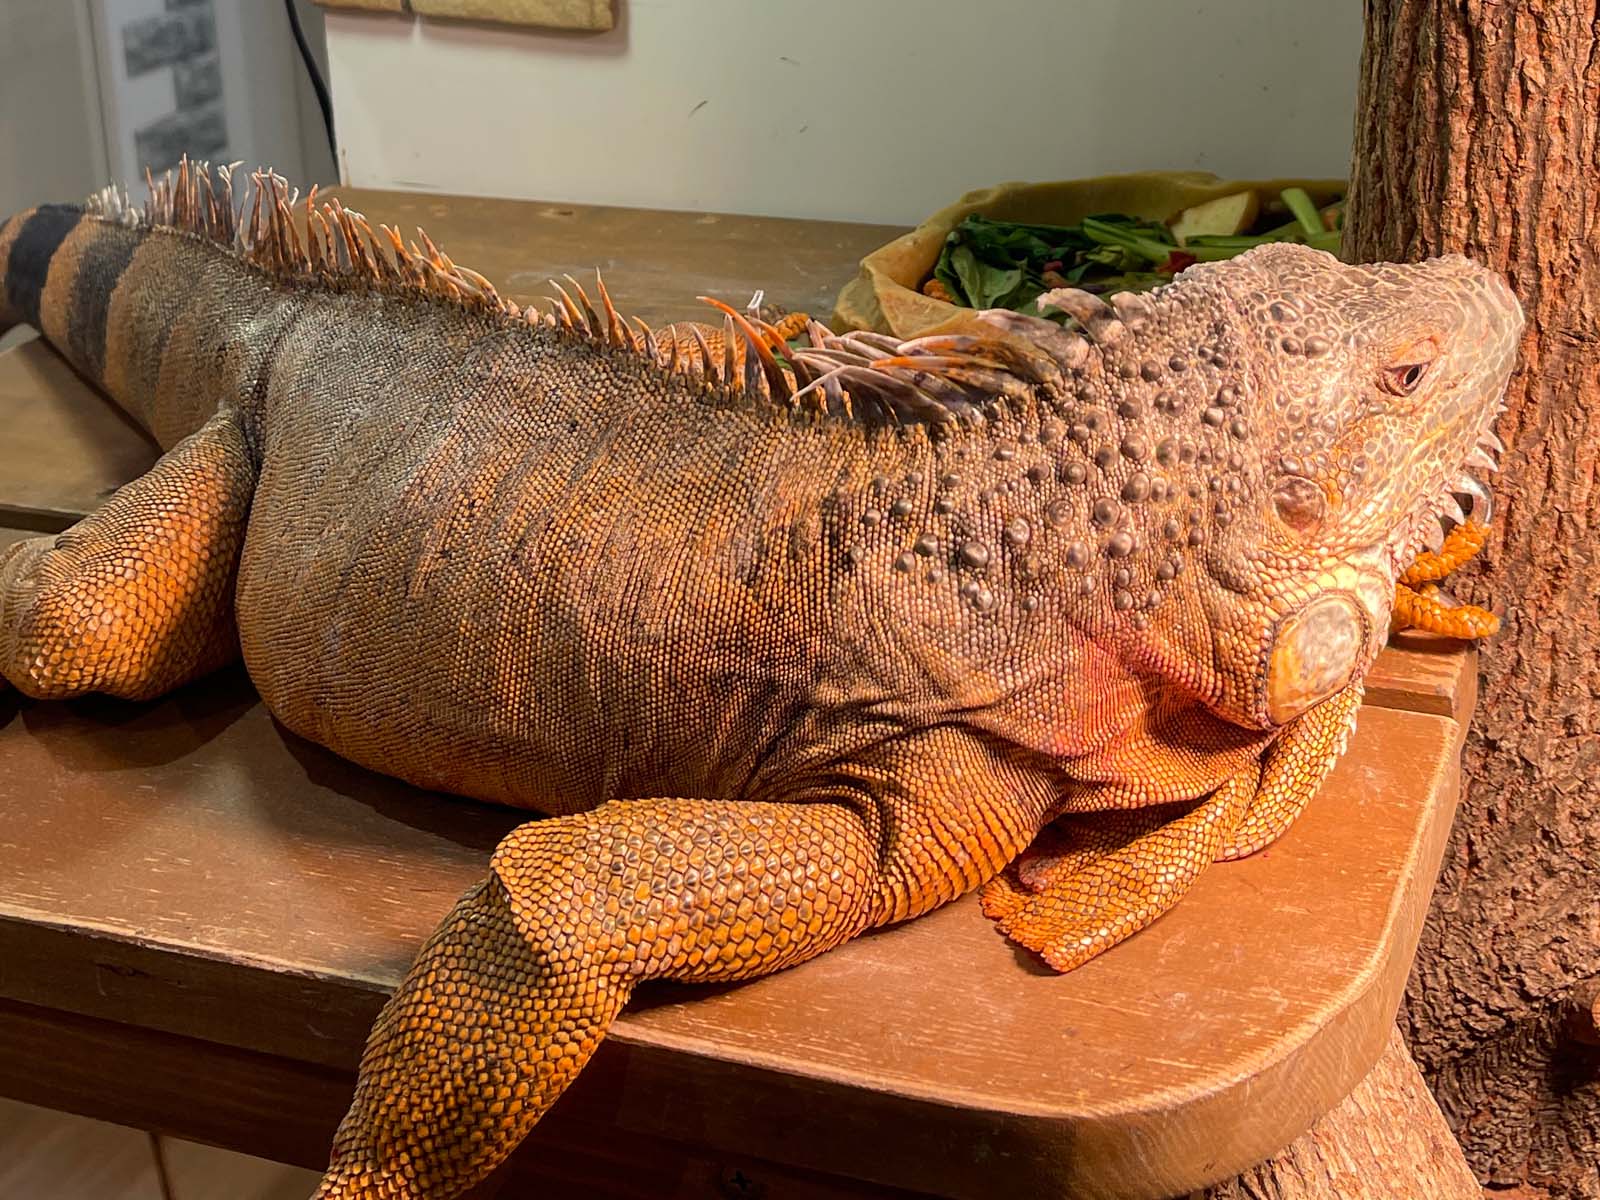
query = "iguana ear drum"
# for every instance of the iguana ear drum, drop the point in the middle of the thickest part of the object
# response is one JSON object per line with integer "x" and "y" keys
{"x": 1299, "y": 503}
{"x": 1315, "y": 652}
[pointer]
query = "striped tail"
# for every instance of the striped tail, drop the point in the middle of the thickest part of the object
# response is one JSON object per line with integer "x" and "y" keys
{"x": 28, "y": 244}
{"x": 59, "y": 266}
{"x": 145, "y": 314}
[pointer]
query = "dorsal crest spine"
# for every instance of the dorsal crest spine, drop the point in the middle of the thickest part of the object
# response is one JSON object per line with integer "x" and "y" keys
{"x": 857, "y": 375}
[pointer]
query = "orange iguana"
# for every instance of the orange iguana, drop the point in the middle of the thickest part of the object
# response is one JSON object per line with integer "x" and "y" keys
{"x": 790, "y": 643}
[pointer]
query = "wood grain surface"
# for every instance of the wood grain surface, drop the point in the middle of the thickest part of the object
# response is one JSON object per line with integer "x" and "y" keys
{"x": 288, "y": 1111}
{"x": 1386, "y": 1140}
{"x": 64, "y": 448}
{"x": 1427, "y": 673}
{"x": 655, "y": 262}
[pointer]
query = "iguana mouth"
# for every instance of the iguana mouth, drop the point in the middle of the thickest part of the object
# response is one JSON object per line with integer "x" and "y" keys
{"x": 1466, "y": 498}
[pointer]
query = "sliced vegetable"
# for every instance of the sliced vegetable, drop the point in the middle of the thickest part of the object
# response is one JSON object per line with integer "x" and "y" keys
{"x": 1226, "y": 216}
{"x": 1304, "y": 211}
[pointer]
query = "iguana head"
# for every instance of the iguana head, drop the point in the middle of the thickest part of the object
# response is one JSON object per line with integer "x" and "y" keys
{"x": 1365, "y": 396}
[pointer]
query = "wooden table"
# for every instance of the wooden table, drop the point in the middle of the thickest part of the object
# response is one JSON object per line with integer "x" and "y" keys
{"x": 200, "y": 914}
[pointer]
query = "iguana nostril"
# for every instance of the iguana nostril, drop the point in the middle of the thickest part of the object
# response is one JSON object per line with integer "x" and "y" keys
{"x": 1299, "y": 502}
{"x": 1315, "y": 653}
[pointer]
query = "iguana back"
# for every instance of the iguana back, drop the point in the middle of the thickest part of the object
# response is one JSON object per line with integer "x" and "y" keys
{"x": 532, "y": 569}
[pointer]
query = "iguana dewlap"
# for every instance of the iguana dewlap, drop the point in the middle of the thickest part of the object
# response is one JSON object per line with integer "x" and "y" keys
{"x": 791, "y": 643}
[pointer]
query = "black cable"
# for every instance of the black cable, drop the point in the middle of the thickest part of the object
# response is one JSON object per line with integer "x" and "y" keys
{"x": 318, "y": 85}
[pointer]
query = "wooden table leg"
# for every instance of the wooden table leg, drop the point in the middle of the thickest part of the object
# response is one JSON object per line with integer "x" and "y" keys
{"x": 1387, "y": 1139}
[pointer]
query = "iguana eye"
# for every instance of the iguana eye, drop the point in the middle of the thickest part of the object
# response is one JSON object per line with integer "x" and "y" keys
{"x": 1403, "y": 380}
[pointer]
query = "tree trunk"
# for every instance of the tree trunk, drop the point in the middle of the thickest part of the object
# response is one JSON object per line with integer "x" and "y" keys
{"x": 1478, "y": 131}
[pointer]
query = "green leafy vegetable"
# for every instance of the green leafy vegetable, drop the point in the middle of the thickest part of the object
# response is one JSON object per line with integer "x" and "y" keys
{"x": 987, "y": 263}
{"x": 1304, "y": 211}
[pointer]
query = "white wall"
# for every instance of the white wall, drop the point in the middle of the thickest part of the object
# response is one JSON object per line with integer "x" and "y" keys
{"x": 855, "y": 109}
{"x": 65, "y": 103}
{"x": 51, "y": 146}
{"x": 316, "y": 153}
{"x": 263, "y": 86}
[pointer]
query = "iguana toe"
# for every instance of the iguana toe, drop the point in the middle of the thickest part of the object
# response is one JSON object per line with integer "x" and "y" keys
{"x": 1077, "y": 913}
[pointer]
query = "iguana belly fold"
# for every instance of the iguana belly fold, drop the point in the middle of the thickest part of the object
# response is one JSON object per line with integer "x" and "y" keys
{"x": 792, "y": 640}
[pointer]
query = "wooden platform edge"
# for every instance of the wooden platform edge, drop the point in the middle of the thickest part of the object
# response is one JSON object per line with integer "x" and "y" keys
{"x": 1387, "y": 1139}
{"x": 287, "y": 1111}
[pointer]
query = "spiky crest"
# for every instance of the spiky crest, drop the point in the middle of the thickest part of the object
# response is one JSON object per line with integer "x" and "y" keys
{"x": 857, "y": 375}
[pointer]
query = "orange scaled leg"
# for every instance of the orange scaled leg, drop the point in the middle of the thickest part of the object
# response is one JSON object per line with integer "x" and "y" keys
{"x": 1097, "y": 894}
{"x": 137, "y": 597}
{"x": 515, "y": 990}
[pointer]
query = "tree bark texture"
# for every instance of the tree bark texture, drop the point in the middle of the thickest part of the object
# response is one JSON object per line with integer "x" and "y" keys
{"x": 1478, "y": 132}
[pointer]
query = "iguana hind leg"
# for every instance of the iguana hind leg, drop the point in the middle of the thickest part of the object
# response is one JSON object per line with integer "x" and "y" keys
{"x": 136, "y": 598}
{"x": 516, "y": 989}
{"x": 512, "y": 995}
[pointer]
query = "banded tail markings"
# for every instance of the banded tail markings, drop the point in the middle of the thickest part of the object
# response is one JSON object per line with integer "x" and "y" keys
{"x": 101, "y": 259}
{"x": 76, "y": 298}
{"x": 9, "y": 228}
{"x": 27, "y": 262}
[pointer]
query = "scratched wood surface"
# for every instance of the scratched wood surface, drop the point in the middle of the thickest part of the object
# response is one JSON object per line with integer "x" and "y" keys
{"x": 655, "y": 262}
{"x": 1423, "y": 672}
{"x": 187, "y": 870}
{"x": 63, "y": 448}
{"x": 288, "y": 1111}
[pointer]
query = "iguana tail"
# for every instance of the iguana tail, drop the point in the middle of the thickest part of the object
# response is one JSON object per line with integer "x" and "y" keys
{"x": 60, "y": 266}
{"x": 28, "y": 242}
{"x": 140, "y": 312}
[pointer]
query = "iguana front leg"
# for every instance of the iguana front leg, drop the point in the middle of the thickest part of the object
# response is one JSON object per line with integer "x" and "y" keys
{"x": 1417, "y": 606}
{"x": 136, "y": 598}
{"x": 1117, "y": 880}
{"x": 1102, "y": 877}
{"x": 1292, "y": 770}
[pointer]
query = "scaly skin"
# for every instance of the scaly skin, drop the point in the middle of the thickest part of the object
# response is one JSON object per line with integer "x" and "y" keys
{"x": 788, "y": 650}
